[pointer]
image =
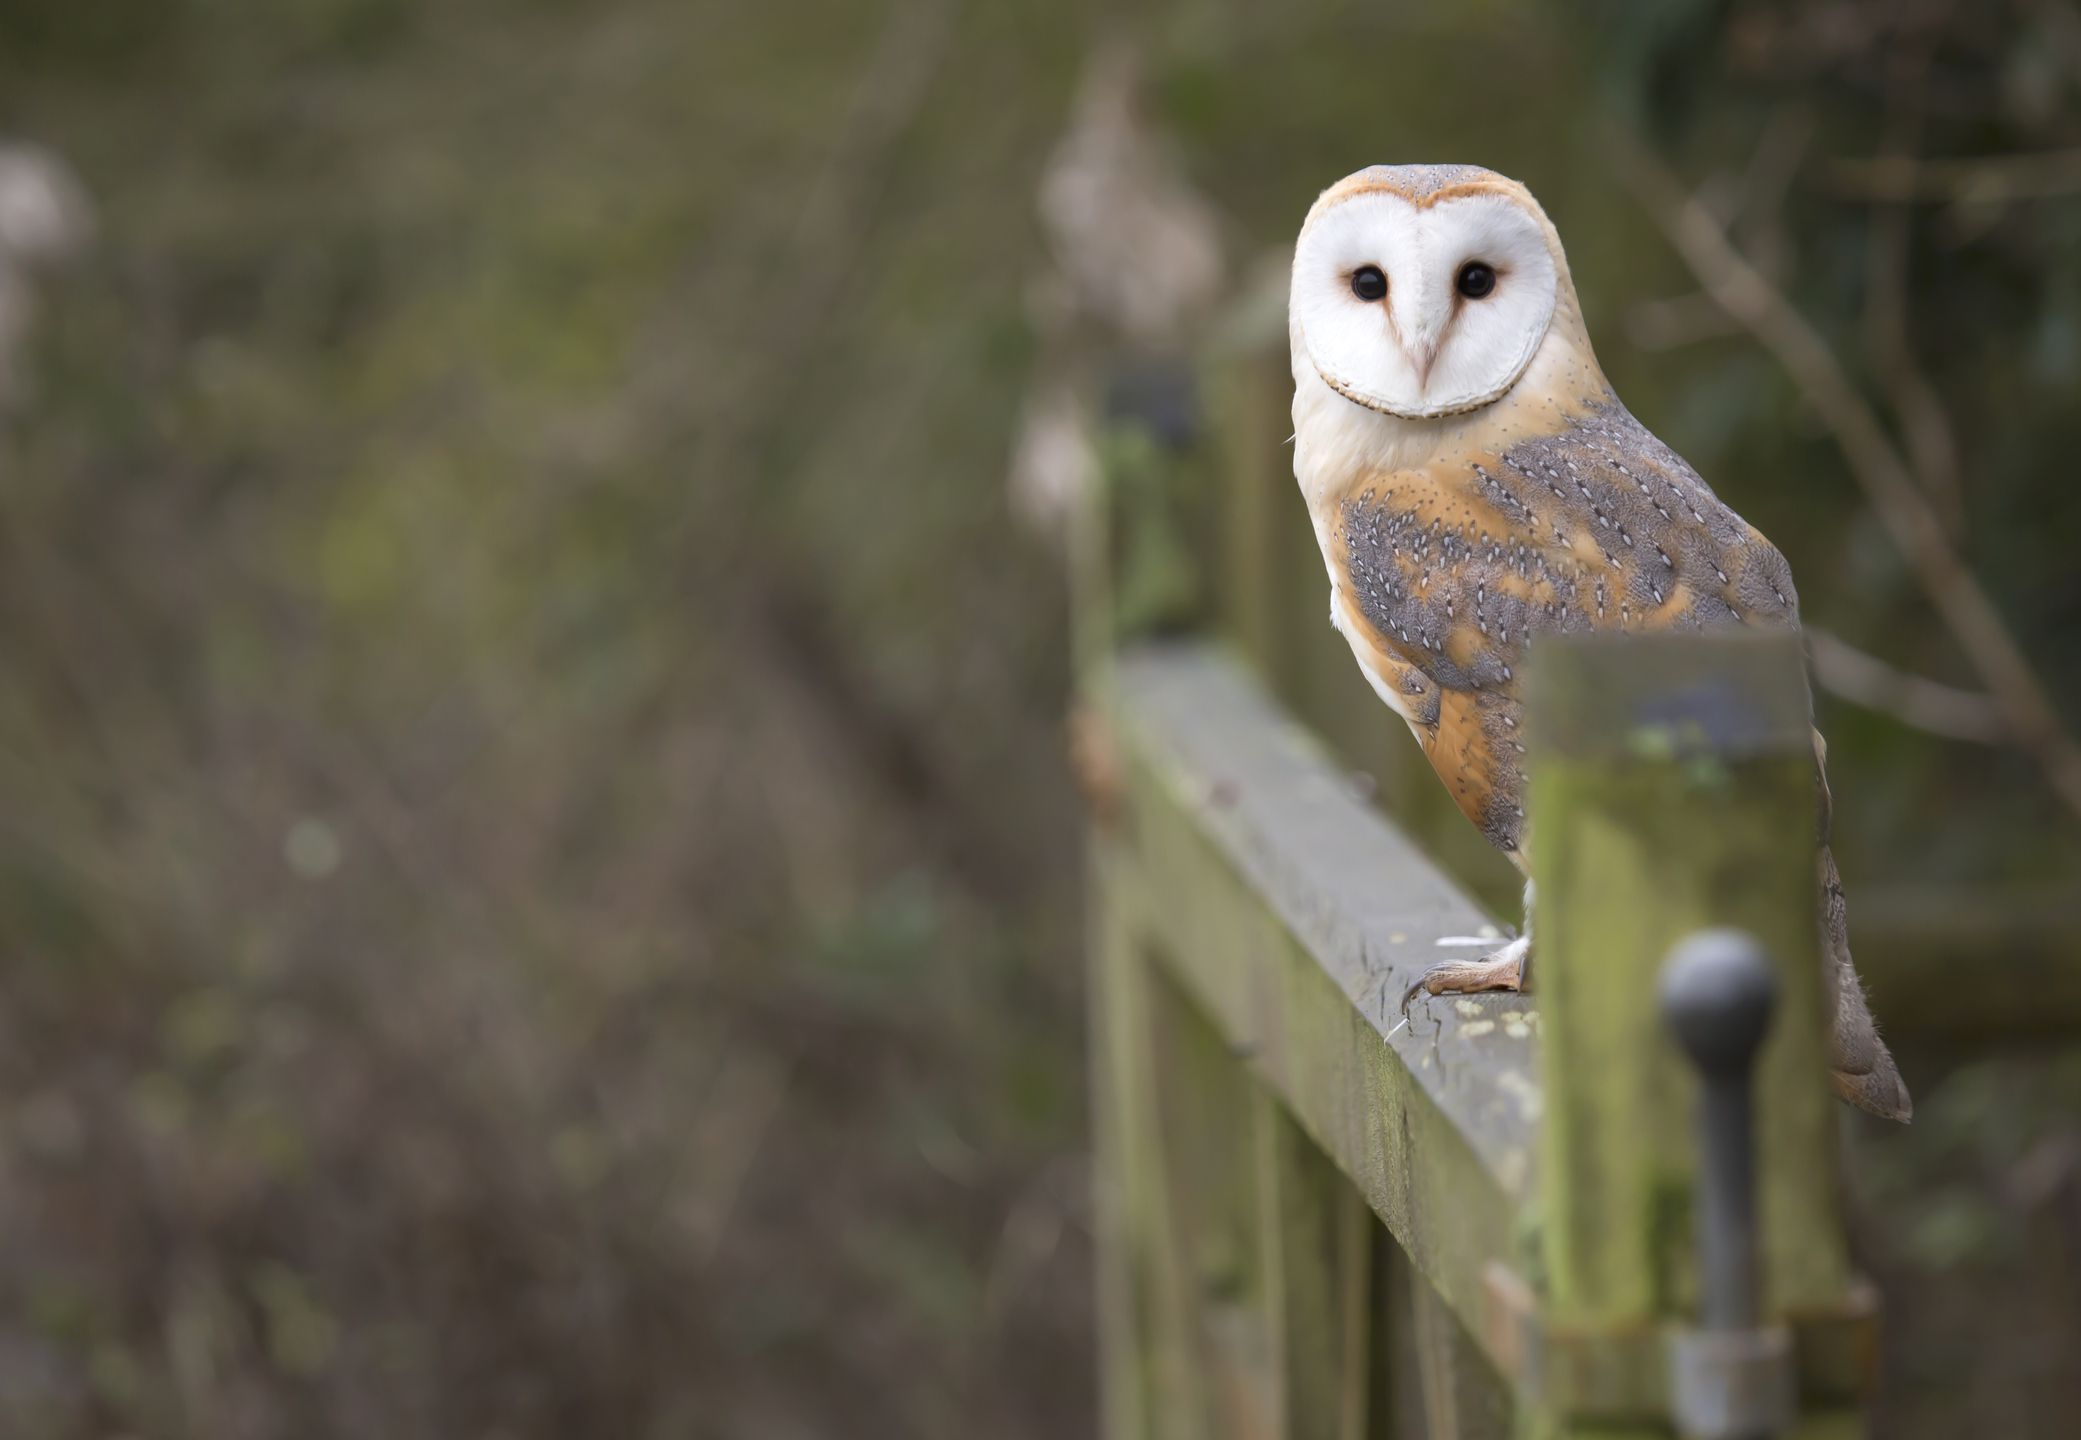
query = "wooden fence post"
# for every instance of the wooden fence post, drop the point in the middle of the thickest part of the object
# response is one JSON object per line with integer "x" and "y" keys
{"x": 1258, "y": 1105}
{"x": 1673, "y": 790}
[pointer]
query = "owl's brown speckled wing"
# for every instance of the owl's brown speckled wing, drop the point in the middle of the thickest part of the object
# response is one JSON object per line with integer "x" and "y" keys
{"x": 1447, "y": 573}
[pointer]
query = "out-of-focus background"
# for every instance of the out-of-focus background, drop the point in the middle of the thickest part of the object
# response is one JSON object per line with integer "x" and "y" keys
{"x": 538, "y": 872}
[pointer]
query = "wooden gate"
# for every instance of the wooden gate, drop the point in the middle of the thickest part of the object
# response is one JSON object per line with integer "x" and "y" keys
{"x": 1313, "y": 1223}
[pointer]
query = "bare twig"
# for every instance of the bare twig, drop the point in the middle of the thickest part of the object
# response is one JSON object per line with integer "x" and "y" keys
{"x": 1751, "y": 208}
{"x": 746, "y": 1098}
{"x": 1989, "y": 180}
{"x": 792, "y": 631}
{"x": 1917, "y": 407}
{"x": 1679, "y": 320}
{"x": 744, "y": 406}
{"x": 1758, "y": 225}
{"x": 1850, "y": 674}
{"x": 1915, "y": 402}
{"x": 1874, "y": 461}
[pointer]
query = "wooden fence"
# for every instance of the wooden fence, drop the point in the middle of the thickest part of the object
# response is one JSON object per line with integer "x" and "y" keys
{"x": 1481, "y": 1224}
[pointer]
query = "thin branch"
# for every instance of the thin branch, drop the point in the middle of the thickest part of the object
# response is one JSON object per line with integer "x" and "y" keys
{"x": 1675, "y": 322}
{"x": 743, "y": 407}
{"x": 1917, "y": 408}
{"x": 1877, "y": 465}
{"x": 1850, "y": 674}
{"x": 1914, "y": 400}
{"x": 1758, "y": 225}
{"x": 1989, "y": 180}
{"x": 792, "y": 631}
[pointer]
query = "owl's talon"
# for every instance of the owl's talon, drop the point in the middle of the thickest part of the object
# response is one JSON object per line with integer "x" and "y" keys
{"x": 1503, "y": 969}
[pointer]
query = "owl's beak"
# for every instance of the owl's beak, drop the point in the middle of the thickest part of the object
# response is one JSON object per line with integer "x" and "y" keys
{"x": 1422, "y": 355}
{"x": 1419, "y": 328}
{"x": 1420, "y": 335}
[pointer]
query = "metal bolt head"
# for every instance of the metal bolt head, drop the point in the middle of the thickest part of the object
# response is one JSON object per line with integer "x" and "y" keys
{"x": 1718, "y": 991}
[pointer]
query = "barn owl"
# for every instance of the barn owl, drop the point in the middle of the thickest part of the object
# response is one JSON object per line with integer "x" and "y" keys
{"x": 1474, "y": 483}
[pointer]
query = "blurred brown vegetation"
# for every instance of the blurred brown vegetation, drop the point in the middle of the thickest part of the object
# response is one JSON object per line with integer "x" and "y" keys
{"x": 536, "y": 869}
{"x": 538, "y": 878}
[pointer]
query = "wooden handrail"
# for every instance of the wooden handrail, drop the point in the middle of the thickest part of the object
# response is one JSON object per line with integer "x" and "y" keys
{"x": 1258, "y": 1097}
{"x": 1296, "y": 916}
{"x": 1314, "y": 1220}
{"x": 1255, "y": 921}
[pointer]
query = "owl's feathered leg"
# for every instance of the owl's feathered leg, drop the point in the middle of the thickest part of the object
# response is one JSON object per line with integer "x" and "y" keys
{"x": 1502, "y": 969}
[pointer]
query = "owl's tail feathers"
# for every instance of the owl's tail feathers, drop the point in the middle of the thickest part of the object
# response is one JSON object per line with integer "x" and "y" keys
{"x": 1862, "y": 1069}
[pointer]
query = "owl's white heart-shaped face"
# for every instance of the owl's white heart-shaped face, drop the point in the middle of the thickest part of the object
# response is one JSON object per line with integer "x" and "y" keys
{"x": 1422, "y": 307}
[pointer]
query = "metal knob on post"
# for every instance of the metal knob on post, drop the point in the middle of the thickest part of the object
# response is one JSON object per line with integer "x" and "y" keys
{"x": 1731, "y": 1377}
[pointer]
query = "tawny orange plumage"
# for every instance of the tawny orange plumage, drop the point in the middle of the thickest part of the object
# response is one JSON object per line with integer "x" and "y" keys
{"x": 1475, "y": 483}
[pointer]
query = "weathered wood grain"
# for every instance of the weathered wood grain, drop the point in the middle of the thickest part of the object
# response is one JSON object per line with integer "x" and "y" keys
{"x": 1296, "y": 917}
{"x": 1260, "y": 922}
{"x": 1673, "y": 790}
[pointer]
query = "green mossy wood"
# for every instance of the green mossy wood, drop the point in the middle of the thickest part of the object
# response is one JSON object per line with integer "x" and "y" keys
{"x": 1673, "y": 790}
{"x": 1314, "y": 1222}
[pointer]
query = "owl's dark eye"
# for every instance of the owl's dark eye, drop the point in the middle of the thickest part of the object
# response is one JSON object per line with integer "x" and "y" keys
{"x": 1476, "y": 279}
{"x": 1368, "y": 282}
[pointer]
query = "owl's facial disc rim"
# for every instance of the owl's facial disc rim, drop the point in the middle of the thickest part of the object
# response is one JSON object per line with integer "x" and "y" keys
{"x": 1434, "y": 412}
{"x": 1481, "y": 345}
{"x": 1380, "y": 405}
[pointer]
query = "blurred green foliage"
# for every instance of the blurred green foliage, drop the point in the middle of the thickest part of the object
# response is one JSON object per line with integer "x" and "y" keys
{"x": 537, "y": 874}
{"x": 539, "y": 880}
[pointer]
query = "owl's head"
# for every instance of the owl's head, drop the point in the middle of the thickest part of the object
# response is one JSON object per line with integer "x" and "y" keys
{"x": 1425, "y": 290}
